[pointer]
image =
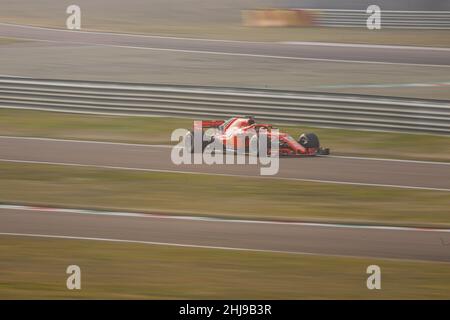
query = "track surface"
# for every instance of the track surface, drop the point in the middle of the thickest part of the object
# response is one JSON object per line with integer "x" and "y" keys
{"x": 380, "y": 242}
{"x": 403, "y": 174}
{"x": 386, "y": 243}
{"x": 301, "y": 51}
{"x": 292, "y": 238}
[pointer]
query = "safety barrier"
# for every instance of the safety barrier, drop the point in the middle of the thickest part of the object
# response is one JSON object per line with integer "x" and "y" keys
{"x": 307, "y": 108}
{"x": 345, "y": 18}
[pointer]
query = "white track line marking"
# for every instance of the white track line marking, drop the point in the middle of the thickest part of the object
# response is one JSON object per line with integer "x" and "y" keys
{"x": 386, "y": 159}
{"x": 442, "y": 85}
{"x": 138, "y": 35}
{"x": 186, "y": 245}
{"x": 216, "y": 219}
{"x": 90, "y": 142}
{"x": 194, "y": 246}
{"x": 241, "y": 54}
{"x": 360, "y": 45}
{"x": 167, "y": 146}
{"x": 280, "y": 57}
{"x": 158, "y": 243}
{"x": 227, "y": 175}
{"x": 305, "y": 43}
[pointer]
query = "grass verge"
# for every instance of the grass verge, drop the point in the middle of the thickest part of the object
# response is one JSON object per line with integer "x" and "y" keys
{"x": 158, "y": 131}
{"x": 83, "y": 187}
{"x": 35, "y": 268}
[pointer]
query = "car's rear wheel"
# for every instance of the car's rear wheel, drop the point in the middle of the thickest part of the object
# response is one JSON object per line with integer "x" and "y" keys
{"x": 309, "y": 140}
{"x": 189, "y": 142}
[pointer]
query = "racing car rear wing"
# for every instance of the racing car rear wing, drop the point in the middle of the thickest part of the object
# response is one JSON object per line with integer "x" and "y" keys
{"x": 208, "y": 123}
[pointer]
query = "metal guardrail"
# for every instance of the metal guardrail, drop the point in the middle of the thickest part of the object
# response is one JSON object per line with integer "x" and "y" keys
{"x": 284, "y": 107}
{"x": 389, "y": 19}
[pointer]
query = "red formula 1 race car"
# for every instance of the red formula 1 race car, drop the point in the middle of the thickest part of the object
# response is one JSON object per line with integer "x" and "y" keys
{"x": 228, "y": 133}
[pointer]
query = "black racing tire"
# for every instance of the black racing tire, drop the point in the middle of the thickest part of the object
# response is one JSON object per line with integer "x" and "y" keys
{"x": 191, "y": 142}
{"x": 309, "y": 140}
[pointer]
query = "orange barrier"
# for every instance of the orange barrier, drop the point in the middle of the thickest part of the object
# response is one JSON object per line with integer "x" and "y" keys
{"x": 278, "y": 18}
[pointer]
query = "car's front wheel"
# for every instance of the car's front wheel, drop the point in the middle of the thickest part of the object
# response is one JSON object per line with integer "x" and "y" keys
{"x": 309, "y": 140}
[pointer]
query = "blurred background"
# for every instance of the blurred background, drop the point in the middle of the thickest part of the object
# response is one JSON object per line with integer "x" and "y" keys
{"x": 31, "y": 268}
{"x": 219, "y": 20}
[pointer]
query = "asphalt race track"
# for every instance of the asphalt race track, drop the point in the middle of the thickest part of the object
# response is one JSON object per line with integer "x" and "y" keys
{"x": 345, "y": 170}
{"x": 384, "y": 242}
{"x": 438, "y": 57}
{"x": 400, "y": 243}
{"x": 290, "y": 238}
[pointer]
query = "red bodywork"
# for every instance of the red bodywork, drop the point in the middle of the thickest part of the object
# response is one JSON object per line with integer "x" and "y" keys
{"x": 228, "y": 132}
